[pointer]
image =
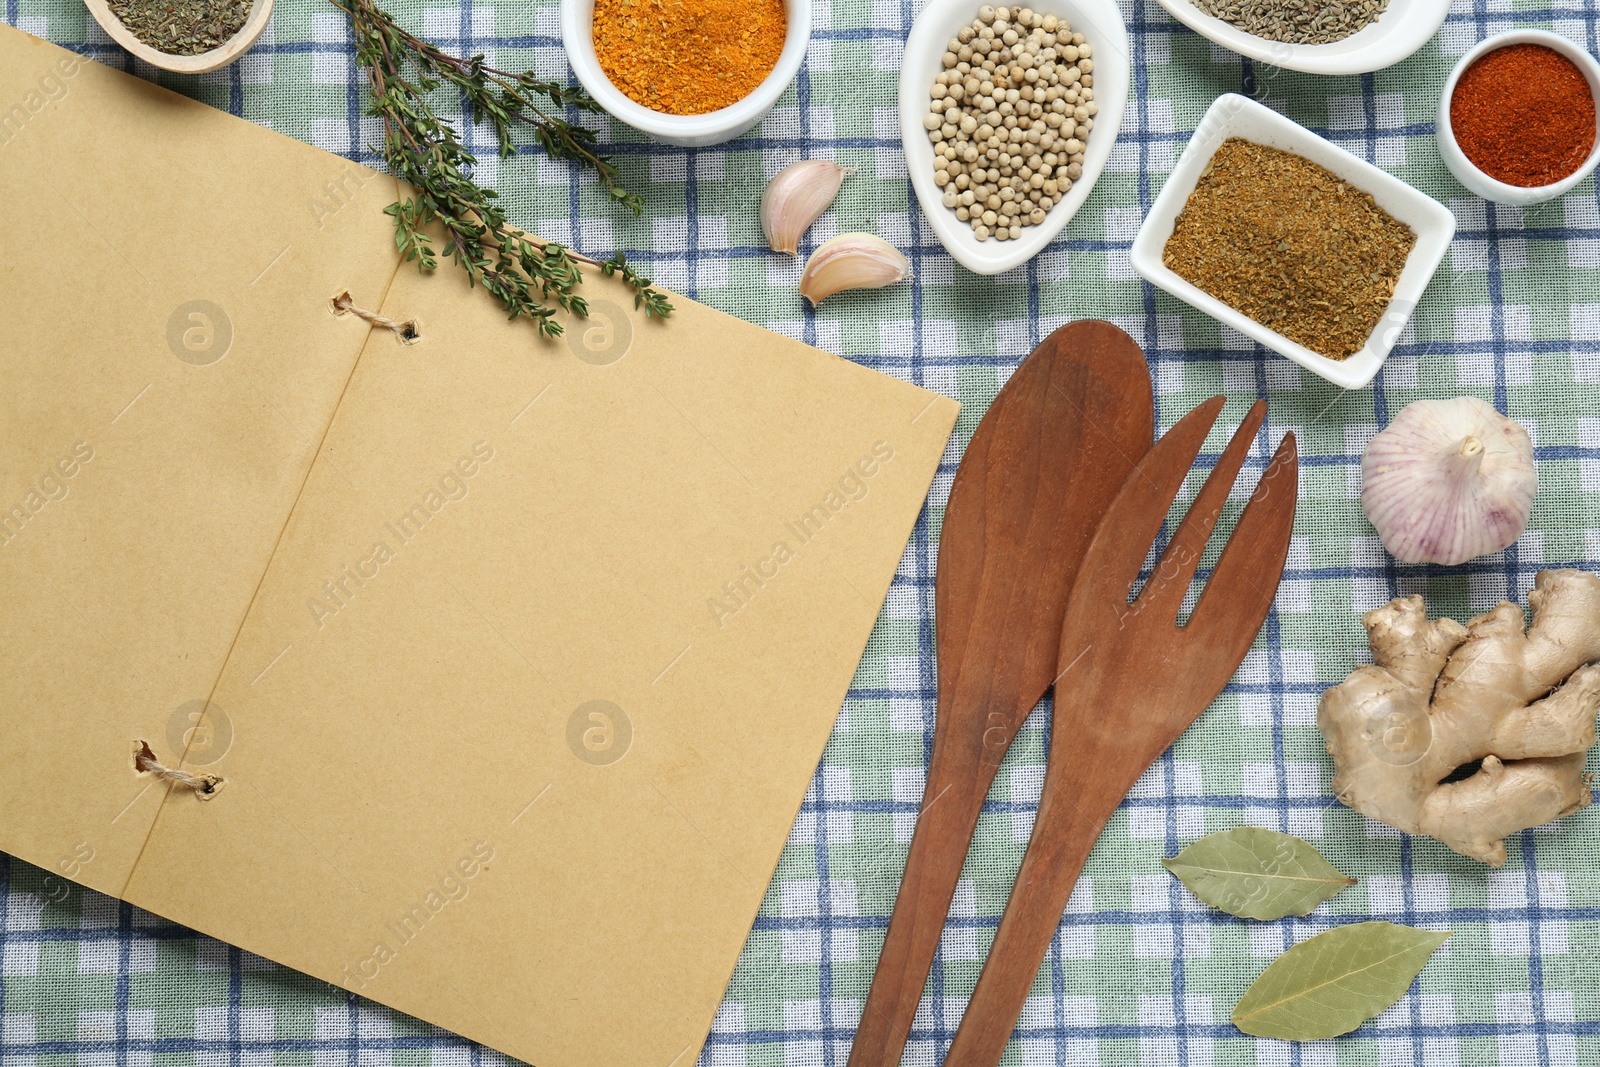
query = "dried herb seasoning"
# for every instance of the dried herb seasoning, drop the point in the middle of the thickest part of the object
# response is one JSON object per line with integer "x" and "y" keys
{"x": 182, "y": 27}
{"x": 1291, "y": 245}
{"x": 1297, "y": 21}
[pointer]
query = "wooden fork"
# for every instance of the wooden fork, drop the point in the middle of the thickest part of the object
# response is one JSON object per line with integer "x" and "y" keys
{"x": 1130, "y": 680}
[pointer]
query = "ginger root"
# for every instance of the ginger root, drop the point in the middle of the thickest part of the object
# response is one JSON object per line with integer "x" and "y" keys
{"x": 1441, "y": 696}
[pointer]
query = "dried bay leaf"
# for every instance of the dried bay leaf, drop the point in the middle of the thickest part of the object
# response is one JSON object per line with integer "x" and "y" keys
{"x": 1332, "y": 983}
{"x": 1257, "y": 874}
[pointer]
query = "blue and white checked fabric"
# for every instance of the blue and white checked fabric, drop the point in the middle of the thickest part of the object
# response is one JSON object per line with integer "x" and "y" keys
{"x": 1140, "y": 971}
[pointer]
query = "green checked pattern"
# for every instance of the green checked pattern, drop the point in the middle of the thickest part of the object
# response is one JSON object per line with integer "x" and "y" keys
{"x": 1140, "y": 972}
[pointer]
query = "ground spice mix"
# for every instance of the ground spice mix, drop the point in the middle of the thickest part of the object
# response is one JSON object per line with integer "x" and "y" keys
{"x": 1291, "y": 245}
{"x": 688, "y": 57}
{"x": 1524, "y": 115}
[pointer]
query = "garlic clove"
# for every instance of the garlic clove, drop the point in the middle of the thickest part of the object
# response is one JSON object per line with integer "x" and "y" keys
{"x": 1448, "y": 481}
{"x": 795, "y": 198}
{"x": 852, "y": 261}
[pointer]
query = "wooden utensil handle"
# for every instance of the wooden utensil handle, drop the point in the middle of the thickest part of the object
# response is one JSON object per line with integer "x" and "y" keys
{"x": 1064, "y": 833}
{"x": 952, "y": 801}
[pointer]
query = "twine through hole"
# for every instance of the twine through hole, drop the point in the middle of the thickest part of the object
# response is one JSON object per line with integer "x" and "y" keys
{"x": 205, "y": 786}
{"x": 406, "y": 331}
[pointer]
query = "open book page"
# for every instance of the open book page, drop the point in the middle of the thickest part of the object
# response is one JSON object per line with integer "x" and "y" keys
{"x": 533, "y": 689}
{"x": 516, "y": 689}
{"x": 171, "y": 365}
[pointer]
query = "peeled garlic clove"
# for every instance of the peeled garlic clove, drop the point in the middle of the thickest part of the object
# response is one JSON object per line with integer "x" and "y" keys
{"x": 1448, "y": 481}
{"x": 852, "y": 261}
{"x": 796, "y": 198}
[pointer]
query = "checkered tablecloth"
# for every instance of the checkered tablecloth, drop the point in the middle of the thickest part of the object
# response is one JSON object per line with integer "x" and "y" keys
{"x": 1140, "y": 971}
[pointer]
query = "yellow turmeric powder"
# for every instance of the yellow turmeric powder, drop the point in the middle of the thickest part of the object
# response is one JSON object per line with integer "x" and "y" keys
{"x": 688, "y": 57}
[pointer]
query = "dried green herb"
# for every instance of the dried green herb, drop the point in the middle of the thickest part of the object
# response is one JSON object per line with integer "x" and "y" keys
{"x": 1257, "y": 874}
{"x": 1332, "y": 983}
{"x": 1291, "y": 245}
{"x": 423, "y": 150}
{"x": 1297, "y": 21}
{"x": 182, "y": 27}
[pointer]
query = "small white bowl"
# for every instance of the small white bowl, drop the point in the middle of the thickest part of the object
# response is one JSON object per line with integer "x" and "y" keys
{"x": 1100, "y": 22}
{"x": 1404, "y": 27}
{"x": 1235, "y": 116}
{"x": 1456, "y": 161}
{"x": 686, "y": 131}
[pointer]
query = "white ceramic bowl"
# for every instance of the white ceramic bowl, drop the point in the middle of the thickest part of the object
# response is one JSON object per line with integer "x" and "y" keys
{"x": 1477, "y": 181}
{"x": 1235, "y": 116}
{"x": 1101, "y": 24}
{"x": 686, "y": 131}
{"x": 1404, "y": 27}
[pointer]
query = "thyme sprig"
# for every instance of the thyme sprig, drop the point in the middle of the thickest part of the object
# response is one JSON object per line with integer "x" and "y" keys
{"x": 424, "y": 150}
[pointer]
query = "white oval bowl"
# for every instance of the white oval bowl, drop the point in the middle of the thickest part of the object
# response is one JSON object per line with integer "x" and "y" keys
{"x": 1465, "y": 171}
{"x": 1100, "y": 22}
{"x": 1404, "y": 27}
{"x": 686, "y": 131}
{"x": 1236, "y": 116}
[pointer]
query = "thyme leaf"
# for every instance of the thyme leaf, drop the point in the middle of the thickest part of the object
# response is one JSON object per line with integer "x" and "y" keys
{"x": 530, "y": 277}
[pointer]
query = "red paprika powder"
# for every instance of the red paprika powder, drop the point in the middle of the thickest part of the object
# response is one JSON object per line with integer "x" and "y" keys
{"x": 1524, "y": 115}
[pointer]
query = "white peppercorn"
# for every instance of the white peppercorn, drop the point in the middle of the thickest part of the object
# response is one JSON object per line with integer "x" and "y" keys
{"x": 1007, "y": 116}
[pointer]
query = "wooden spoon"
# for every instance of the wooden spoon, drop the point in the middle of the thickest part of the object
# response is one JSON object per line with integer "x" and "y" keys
{"x": 1131, "y": 680}
{"x": 1044, "y": 465}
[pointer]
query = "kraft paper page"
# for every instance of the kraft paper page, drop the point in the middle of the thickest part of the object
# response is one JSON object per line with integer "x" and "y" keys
{"x": 516, "y": 657}
{"x": 546, "y": 545}
{"x": 168, "y": 381}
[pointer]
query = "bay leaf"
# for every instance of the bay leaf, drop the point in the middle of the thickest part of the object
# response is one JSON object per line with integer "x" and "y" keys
{"x": 1257, "y": 874}
{"x": 1332, "y": 983}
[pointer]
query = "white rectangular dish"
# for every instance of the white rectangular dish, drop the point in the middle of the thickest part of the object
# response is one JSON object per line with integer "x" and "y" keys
{"x": 1236, "y": 116}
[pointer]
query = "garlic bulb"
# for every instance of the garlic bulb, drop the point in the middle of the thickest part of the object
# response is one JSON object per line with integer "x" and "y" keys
{"x": 852, "y": 261}
{"x": 795, "y": 198}
{"x": 1449, "y": 480}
